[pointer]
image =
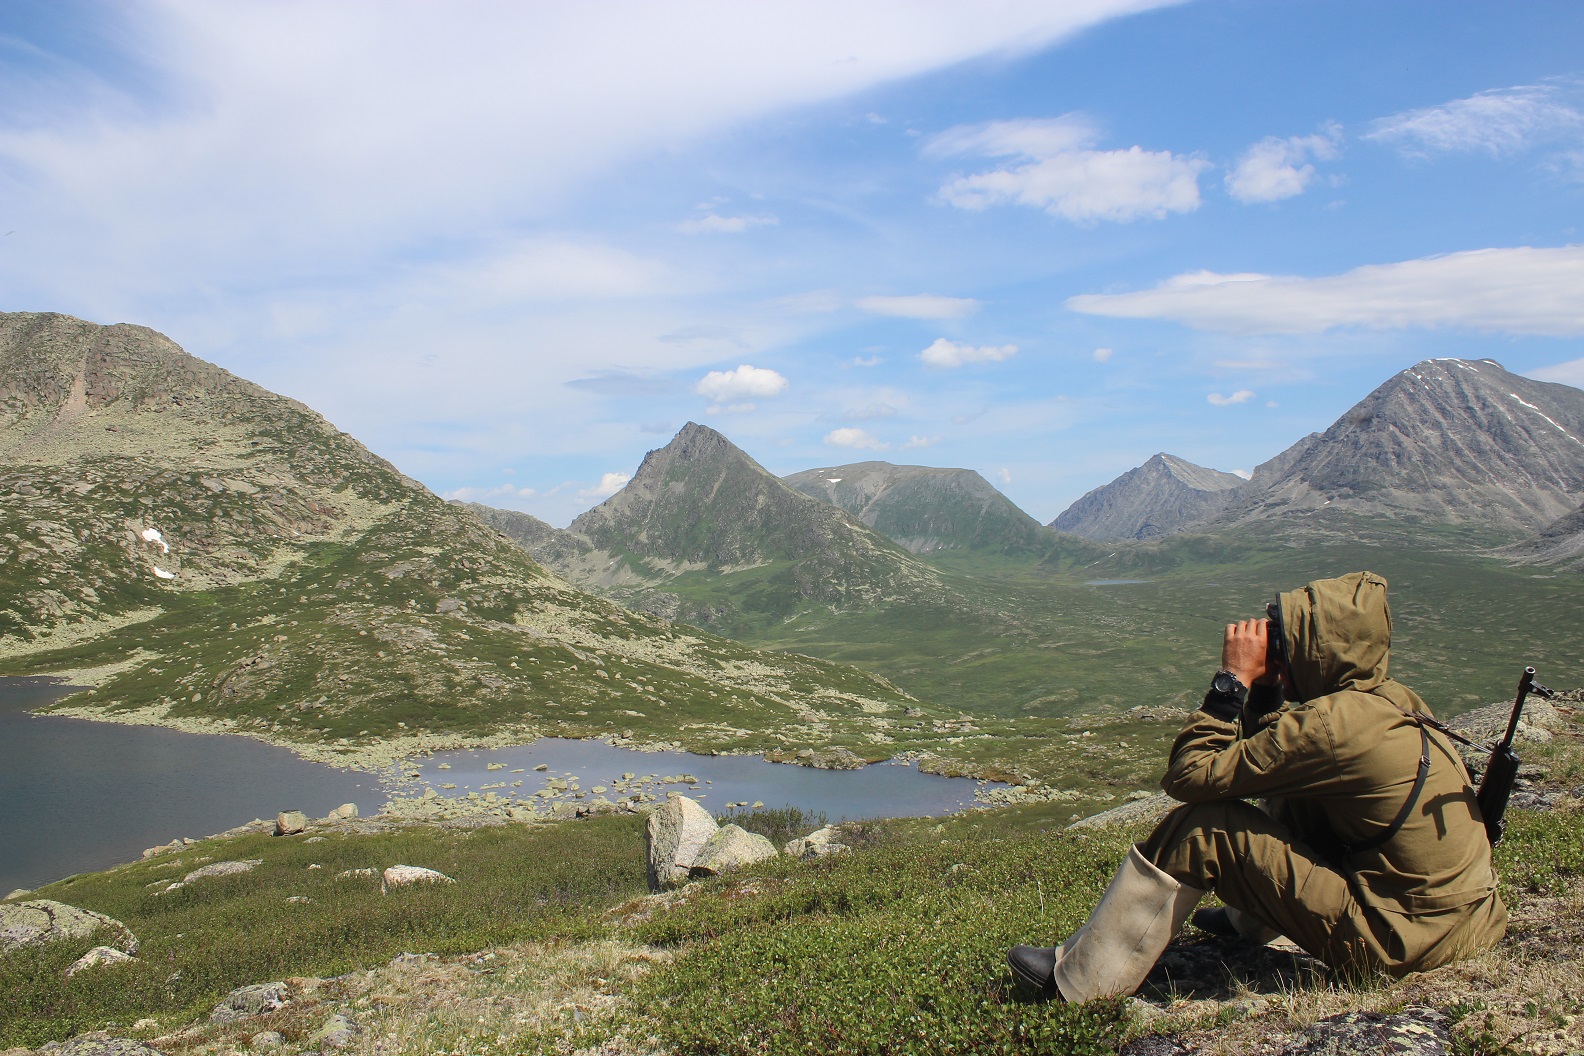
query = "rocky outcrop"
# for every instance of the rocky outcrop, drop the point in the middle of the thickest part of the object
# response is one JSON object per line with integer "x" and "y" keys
{"x": 290, "y": 822}
{"x": 40, "y": 921}
{"x": 247, "y": 1001}
{"x": 338, "y": 1032}
{"x": 677, "y": 831}
{"x": 222, "y": 869}
{"x": 831, "y": 757}
{"x": 345, "y": 812}
{"x": 96, "y": 1043}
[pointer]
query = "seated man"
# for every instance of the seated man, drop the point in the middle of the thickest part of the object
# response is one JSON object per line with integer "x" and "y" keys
{"x": 1373, "y": 856}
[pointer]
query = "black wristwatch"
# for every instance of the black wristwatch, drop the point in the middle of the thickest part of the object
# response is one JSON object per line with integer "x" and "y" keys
{"x": 1226, "y": 696}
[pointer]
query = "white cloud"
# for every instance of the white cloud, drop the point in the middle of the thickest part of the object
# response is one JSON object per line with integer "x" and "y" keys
{"x": 1246, "y": 474}
{"x": 866, "y": 361}
{"x": 1102, "y": 355}
{"x": 1276, "y": 168}
{"x": 920, "y": 306}
{"x": 1240, "y": 396}
{"x": 609, "y": 485}
{"x": 487, "y": 495}
{"x": 1569, "y": 373}
{"x": 548, "y": 270}
{"x": 920, "y": 441}
{"x": 1499, "y": 122}
{"x": 849, "y": 436}
{"x": 724, "y": 225}
{"x": 1522, "y": 290}
{"x": 746, "y": 381}
{"x": 1062, "y": 174}
{"x": 944, "y": 353}
{"x": 1004, "y": 475}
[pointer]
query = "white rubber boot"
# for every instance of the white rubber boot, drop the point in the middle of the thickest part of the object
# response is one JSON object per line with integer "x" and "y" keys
{"x": 1137, "y": 916}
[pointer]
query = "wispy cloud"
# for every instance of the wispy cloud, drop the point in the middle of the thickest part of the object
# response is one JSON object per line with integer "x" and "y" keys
{"x": 487, "y": 495}
{"x": 609, "y": 484}
{"x": 855, "y": 438}
{"x": 1276, "y": 168}
{"x": 1522, "y": 290}
{"x": 714, "y": 224}
{"x": 1502, "y": 121}
{"x": 1240, "y": 396}
{"x": 920, "y": 306}
{"x": 1102, "y": 355}
{"x": 944, "y": 353}
{"x": 1058, "y": 170}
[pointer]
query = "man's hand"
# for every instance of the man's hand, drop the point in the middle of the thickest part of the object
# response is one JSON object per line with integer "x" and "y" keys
{"x": 1243, "y": 651}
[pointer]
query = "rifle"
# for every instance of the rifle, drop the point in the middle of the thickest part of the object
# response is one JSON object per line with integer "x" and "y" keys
{"x": 1501, "y": 769}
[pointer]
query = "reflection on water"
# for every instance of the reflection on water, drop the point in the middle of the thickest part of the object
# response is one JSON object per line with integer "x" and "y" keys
{"x": 77, "y": 796}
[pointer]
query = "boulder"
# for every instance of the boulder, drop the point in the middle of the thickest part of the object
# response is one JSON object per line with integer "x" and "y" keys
{"x": 676, "y": 832}
{"x": 267, "y": 1039}
{"x": 97, "y": 956}
{"x": 222, "y": 869}
{"x": 290, "y": 822}
{"x": 246, "y": 1001}
{"x": 407, "y": 875}
{"x": 731, "y": 848}
{"x": 358, "y": 874}
{"x": 345, "y": 812}
{"x": 338, "y": 1032}
{"x": 41, "y": 920}
{"x": 96, "y": 1043}
{"x": 816, "y": 844}
{"x": 20, "y": 892}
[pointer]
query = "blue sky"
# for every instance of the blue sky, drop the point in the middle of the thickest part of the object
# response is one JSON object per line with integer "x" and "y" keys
{"x": 513, "y": 247}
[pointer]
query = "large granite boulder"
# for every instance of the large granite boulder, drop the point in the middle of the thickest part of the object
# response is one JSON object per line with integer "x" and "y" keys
{"x": 407, "y": 875}
{"x": 731, "y": 848}
{"x": 345, "y": 812}
{"x": 97, "y": 956}
{"x": 677, "y": 831}
{"x": 816, "y": 844}
{"x": 41, "y": 920}
{"x": 290, "y": 822}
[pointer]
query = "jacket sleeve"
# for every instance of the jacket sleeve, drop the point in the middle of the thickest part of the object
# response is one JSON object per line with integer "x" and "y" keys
{"x": 1295, "y": 753}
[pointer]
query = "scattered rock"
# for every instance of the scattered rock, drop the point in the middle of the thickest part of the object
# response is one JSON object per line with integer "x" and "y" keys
{"x": 97, "y": 956}
{"x": 676, "y": 832}
{"x": 246, "y": 1001}
{"x": 406, "y": 875}
{"x": 357, "y": 874}
{"x": 222, "y": 869}
{"x": 1150, "y": 808}
{"x": 339, "y": 1032}
{"x": 816, "y": 844}
{"x": 731, "y": 847}
{"x": 96, "y": 1043}
{"x": 1413, "y": 1031}
{"x": 290, "y": 822}
{"x": 301, "y": 900}
{"x": 174, "y": 845}
{"x": 18, "y": 893}
{"x": 315, "y": 839}
{"x": 42, "y": 920}
{"x": 345, "y": 812}
{"x": 267, "y": 1039}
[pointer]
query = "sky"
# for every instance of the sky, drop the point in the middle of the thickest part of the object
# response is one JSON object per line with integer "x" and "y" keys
{"x": 513, "y": 247}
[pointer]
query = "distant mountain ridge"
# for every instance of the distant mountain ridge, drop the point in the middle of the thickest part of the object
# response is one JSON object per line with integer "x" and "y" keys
{"x": 922, "y": 508}
{"x": 702, "y": 503}
{"x": 1446, "y": 441}
{"x": 1162, "y": 496}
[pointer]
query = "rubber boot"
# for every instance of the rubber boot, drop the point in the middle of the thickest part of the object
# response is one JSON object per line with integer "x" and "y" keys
{"x": 1137, "y": 916}
{"x": 1232, "y": 923}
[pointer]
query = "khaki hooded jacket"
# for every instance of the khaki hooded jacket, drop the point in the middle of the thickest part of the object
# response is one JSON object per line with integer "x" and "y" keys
{"x": 1342, "y": 764}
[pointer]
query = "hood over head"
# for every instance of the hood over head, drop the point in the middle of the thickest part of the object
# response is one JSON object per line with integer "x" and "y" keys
{"x": 1338, "y": 636}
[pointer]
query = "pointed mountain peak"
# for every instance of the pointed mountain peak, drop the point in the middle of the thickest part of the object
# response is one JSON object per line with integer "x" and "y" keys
{"x": 1162, "y": 496}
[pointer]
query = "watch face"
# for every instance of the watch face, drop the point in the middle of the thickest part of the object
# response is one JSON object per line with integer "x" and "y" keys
{"x": 1224, "y": 682}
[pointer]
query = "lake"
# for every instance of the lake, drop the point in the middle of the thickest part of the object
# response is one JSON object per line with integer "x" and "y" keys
{"x": 79, "y": 796}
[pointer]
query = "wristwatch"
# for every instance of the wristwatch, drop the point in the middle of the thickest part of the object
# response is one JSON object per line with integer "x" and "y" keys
{"x": 1226, "y": 696}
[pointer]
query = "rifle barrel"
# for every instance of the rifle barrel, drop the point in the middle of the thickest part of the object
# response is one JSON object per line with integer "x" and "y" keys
{"x": 1524, "y": 685}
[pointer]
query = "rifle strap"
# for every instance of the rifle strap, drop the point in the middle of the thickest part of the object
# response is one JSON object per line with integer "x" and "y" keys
{"x": 1384, "y": 837}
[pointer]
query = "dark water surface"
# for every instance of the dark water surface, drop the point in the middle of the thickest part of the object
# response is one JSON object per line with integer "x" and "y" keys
{"x": 77, "y": 796}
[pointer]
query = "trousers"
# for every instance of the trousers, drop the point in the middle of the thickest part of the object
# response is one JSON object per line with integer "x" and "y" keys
{"x": 1258, "y": 865}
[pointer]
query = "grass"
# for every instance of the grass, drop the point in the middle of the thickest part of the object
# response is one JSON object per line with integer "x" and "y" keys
{"x": 548, "y": 942}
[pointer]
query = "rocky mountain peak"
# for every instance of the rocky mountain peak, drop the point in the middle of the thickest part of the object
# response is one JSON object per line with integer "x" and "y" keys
{"x": 1159, "y": 497}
